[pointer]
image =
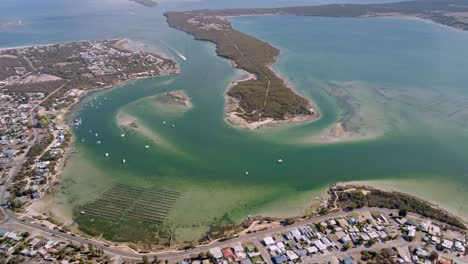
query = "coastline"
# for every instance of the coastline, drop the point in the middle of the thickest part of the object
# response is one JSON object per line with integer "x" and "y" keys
{"x": 408, "y": 187}
{"x": 415, "y": 18}
{"x": 41, "y": 205}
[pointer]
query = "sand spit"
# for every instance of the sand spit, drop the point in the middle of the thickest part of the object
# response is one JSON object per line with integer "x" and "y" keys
{"x": 129, "y": 122}
{"x": 179, "y": 98}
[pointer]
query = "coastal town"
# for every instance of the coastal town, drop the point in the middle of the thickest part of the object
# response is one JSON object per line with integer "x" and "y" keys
{"x": 366, "y": 235}
{"x": 35, "y": 140}
{"x": 38, "y": 84}
{"x": 349, "y": 224}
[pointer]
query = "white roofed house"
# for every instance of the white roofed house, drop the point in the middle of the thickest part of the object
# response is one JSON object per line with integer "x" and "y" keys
{"x": 291, "y": 255}
{"x": 459, "y": 246}
{"x": 296, "y": 234}
{"x": 14, "y": 236}
{"x": 268, "y": 241}
{"x": 320, "y": 246}
{"x": 448, "y": 244}
{"x": 434, "y": 230}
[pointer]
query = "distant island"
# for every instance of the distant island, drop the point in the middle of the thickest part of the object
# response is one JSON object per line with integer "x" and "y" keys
{"x": 10, "y": 23}
{"x": 264, "y": 98}
{"x": 147, "y": 3}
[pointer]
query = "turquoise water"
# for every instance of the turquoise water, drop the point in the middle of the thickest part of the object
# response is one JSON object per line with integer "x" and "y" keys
{"x": 385, "y": 67}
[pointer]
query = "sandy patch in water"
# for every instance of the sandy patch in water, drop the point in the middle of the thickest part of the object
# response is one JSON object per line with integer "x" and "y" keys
{"x": 131, "y": 123}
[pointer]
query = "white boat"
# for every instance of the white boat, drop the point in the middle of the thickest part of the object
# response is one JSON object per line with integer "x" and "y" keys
{"x": 123, "y": 161}
{"x": 99, "y": 142}
{"x": 107, "y": 155}
{"x": 96, "y": 134}
{"x": 82, "y": 212}
{"x": 123, "y": 135}
{"x": 280, "y": 161}
{"x": 164, "y": 122}
{"x": 82, "y": 140}
{"x": 147, "y": 147}
{"x": 246, "y": 173}
{"x": 173, "y": 126}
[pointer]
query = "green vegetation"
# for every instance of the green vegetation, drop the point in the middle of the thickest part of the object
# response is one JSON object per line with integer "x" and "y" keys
{"x": 355, "y": 198}
{"x": 439, "y": 11}
{"x": 39, "y": 147}
{"x": 266, "y": 96}
{"x": 383, "y": 257}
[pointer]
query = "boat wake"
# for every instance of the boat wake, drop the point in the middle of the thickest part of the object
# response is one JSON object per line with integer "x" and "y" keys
{"x": 178, "y": 53}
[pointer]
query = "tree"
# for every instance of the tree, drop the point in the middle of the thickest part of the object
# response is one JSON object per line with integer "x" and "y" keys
{"x": 145, "y": 259}
{"x": 346, "y": 246}
{"x": 91, "y": 250}
{"x": 403, "y": 213}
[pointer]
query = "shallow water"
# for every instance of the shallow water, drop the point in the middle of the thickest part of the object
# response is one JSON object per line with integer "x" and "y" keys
{"x": 387, "y": 73}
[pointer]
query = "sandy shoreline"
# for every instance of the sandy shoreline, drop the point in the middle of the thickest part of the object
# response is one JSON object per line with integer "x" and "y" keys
{"x": 407, "y": 187}
{"x": 415, "y": 18}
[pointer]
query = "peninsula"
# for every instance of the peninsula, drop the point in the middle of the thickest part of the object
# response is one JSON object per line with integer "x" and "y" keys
{"x": 147, "y": 3}
{"x": 260, "y": 100}
{"x": 265, "y": 98}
